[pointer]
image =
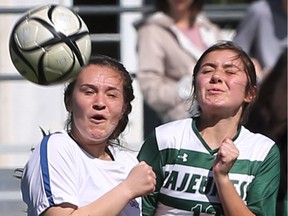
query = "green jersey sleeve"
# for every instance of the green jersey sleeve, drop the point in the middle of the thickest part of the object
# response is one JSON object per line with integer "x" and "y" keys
{"x": 150, "y": 153}
{"x": 262, "y": 193}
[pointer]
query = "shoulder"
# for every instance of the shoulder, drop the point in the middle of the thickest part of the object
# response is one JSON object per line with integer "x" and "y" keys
{"x": 156, "y": 21}
{"x": 204, "y": 21}
{"x": 123, "y": 154}
{"x": 53, "y": 139}
{"x": 255, "y": 136}
{"x": 151, "y": 30}
{"x": 61, "y": 134}
{"x": 211, "y": 31}
{"x": 171, "y": 126}
{"x": 170, "y": 133}
{"x": 254, "y": 145}
{"x": 57, "y": 137}
{"x": 59, "y": 143}
{"x": 202, "y": 18}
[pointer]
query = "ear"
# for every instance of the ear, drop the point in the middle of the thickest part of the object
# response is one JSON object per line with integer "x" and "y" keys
{"x": 251, "y": 94}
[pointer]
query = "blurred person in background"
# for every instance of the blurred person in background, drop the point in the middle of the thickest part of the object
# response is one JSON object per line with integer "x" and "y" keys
{"x": 170, "y": 41}
{"x": 268, "y": 115}
{"x": 263, "y": 32}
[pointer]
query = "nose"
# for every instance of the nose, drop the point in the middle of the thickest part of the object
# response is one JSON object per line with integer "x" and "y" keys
{"x": 216, "y": 77}
{"x": 99, "y": 103}
{"x": 98, "y": 106}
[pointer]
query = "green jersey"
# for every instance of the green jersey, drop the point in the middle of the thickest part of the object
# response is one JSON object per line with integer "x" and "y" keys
{"x": 183, "y": 165}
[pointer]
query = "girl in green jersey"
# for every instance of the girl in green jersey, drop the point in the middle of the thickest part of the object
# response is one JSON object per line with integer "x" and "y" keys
{"x": 211, "y": 164}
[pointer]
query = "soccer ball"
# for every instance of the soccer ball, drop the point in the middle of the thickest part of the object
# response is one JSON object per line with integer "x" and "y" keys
{"x": 50, "y": 44}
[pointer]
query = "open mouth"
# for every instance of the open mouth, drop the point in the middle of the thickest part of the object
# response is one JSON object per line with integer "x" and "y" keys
{"x": 98, "y": 117}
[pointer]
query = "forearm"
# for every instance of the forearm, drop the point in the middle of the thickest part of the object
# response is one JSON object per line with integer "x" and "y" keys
{"x": 140, "y": 181}
{"x": 231, "y": 202}
{"x": 110, "y": 204}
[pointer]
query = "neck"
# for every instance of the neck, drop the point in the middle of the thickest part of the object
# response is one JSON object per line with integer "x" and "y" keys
{"x": 99, "y": 151}
{"x": 183, "y": 19}
{"x": 215, "y": 131}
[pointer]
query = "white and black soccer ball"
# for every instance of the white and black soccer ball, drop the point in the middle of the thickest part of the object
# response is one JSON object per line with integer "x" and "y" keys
{"x": 50, "y": 44}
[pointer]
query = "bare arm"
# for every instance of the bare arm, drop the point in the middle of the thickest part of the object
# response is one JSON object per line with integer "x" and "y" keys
{"x": 140, "y": 181}
{"x": 232, "y": 203}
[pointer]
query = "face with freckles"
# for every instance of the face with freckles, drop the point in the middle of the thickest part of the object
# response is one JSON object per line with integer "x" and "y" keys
{"x": 221, "y": 83}
{"x": 97, "y": 104}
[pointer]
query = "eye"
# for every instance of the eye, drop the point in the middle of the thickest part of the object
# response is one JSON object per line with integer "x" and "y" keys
{"x": 113, "y": 94}
{"x": 87, "y": 90}
{"x": 206, "y": 70}
{"x": 231, "y": 71}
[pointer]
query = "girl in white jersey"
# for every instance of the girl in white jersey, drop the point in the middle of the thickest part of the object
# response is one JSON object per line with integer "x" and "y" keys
{"x": 211, "y": 164}
{"x": 84, "y": 170}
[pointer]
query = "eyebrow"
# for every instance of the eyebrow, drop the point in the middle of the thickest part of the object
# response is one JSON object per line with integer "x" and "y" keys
{"x": 208, "y": 64}
{"x": 109, "y": 87}
{"x": 226, "y": 65}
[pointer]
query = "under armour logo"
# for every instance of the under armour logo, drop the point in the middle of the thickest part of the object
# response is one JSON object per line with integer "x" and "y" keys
{"x": 134, "y": 204}
{"x": 183, "y": 157}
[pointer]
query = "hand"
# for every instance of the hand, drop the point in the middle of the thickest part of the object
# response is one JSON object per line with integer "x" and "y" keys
{"x": 225, "y": 158}
{"x": 141, "y": 180}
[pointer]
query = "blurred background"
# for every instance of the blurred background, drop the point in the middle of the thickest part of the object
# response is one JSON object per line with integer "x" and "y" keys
{"x": 25, "y": 107}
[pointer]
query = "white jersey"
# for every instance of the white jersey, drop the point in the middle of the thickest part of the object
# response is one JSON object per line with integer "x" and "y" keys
{"x": 59, "y": 171}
